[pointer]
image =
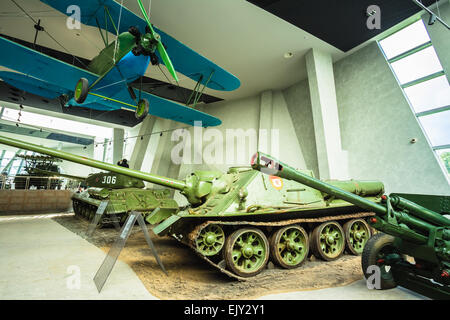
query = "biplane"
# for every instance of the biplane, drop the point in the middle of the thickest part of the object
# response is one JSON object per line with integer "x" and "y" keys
{"x": 105, "y": 82}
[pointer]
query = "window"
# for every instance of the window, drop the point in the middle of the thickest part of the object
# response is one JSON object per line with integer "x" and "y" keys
{"x": 419, "y": 72}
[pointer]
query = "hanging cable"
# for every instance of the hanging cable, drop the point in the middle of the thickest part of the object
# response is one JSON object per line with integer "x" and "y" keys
{"x": 36, "y": 23}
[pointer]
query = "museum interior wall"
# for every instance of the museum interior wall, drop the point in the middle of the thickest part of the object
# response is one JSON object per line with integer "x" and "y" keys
{"x": 376, "y": 126}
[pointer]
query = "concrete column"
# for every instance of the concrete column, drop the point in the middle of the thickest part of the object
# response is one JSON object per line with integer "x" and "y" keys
{"x": 118, "y": 135}
{"x": 265, "y": 121}
{"x": 138, "y": 154}
{"x": 439, "y": 35}
{"x": 162, "y": 163}
{"x": 331, "y": 159}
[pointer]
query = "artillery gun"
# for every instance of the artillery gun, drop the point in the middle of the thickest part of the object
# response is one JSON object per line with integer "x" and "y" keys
{"x": 410, "y": 224}
{"x": 237, "y": 220}
{"x": 34, "y": 165}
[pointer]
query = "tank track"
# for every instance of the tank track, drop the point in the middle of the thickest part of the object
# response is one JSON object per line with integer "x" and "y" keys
{"x": 189, "y": 240}
{"x": 87, "y": 211}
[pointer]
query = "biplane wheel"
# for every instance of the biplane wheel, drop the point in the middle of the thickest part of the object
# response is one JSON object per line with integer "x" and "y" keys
{"x": 81, "y": 90}
{"x": 142, "y": 109}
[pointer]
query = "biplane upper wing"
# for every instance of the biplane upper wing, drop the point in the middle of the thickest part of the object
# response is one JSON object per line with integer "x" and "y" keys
{"x": 99, "y": 13}
{"x": 38, "y": 73}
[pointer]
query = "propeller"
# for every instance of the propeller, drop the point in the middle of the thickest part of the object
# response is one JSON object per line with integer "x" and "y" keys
{"x": 159, "y": 45}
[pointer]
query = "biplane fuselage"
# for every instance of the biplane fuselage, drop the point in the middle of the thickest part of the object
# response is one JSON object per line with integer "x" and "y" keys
{"x": 114, "y": 62}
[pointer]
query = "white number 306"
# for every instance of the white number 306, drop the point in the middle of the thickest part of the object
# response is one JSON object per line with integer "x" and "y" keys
{"x": 109, "y": 179}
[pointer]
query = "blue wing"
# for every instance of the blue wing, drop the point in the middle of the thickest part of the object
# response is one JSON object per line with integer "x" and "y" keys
{"x": 32, "y": 85}
{"x": 184, "y": 59}
{"x": 45, "y": 76}
{"x": 38, "y": 73}
{"x": 162, "y": 108}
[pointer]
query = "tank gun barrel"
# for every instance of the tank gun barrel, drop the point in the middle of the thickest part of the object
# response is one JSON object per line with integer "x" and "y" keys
{"x": 163, "y": 181}
{"x": 57, "y": 174}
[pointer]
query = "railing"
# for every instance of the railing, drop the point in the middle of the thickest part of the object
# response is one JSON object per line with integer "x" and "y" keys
{"x": 37, "y": 183}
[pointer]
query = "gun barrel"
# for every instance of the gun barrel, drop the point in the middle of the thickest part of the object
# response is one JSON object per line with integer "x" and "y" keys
{"x": 419, "y": 211}
{"x": 274, "y": 167}
{"x": 170, "y": 183}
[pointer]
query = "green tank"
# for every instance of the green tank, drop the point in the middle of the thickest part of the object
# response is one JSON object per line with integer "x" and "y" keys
{"x": 123, "y": 194}
{"x": 238, "y": 220}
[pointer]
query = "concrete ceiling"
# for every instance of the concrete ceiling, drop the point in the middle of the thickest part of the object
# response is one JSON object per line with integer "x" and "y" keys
{"x": 235, "y": 34}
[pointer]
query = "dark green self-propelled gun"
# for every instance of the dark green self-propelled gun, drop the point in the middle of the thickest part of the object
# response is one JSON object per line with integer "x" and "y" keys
{"x": 238, "y": 220}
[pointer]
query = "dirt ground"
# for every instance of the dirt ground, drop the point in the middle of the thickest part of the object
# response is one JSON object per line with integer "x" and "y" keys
{"x": 189, "y": 277}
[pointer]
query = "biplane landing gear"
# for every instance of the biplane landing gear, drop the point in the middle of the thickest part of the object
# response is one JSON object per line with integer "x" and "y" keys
{"x": 142, "y": 109}
{"x": 81, "y": 90}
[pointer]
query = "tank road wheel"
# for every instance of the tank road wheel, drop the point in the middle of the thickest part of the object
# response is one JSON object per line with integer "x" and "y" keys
{"x": 357, "y": 233}
{"x": 92, "y": 211}
{"x": 210, "y": 240}
{"x": 246, "y": 252}
{"x": 289, "y": 246}
{"x": 84, "y": 210}
{"x": 75, "y": 208}
{"x": 81, "y": 90}
{"x": 142, "y": 109}
{"x": 374, "y": 253}
{"x": 327, "y": 241}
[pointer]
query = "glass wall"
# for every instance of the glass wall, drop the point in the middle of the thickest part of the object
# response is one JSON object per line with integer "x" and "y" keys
{"x": 419, "y": 72}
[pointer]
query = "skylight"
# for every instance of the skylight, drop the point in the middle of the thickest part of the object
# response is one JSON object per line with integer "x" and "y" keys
{"x": 405, "y": 39}
{"x": 422, "y": 78}
{"x": 429, "y": 95}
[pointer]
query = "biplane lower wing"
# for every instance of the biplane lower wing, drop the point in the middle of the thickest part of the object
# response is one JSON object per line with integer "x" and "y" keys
{"x": 161, "y": 107}
{"x": 32, "y": 85}
{"x": 102, "y": 14}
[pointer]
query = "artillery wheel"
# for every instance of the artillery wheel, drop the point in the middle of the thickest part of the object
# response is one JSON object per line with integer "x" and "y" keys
{"x": 374, "y": 253}
{"x": 289, "y": 246}
{"x": 327, "y": 241}
{"x": 81, "y": 90}
{"x": 210, "y": 240}
{"x": 357, "y": 233}
{"x": 246, "y": 252}
{"x": 142, "y": 109}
